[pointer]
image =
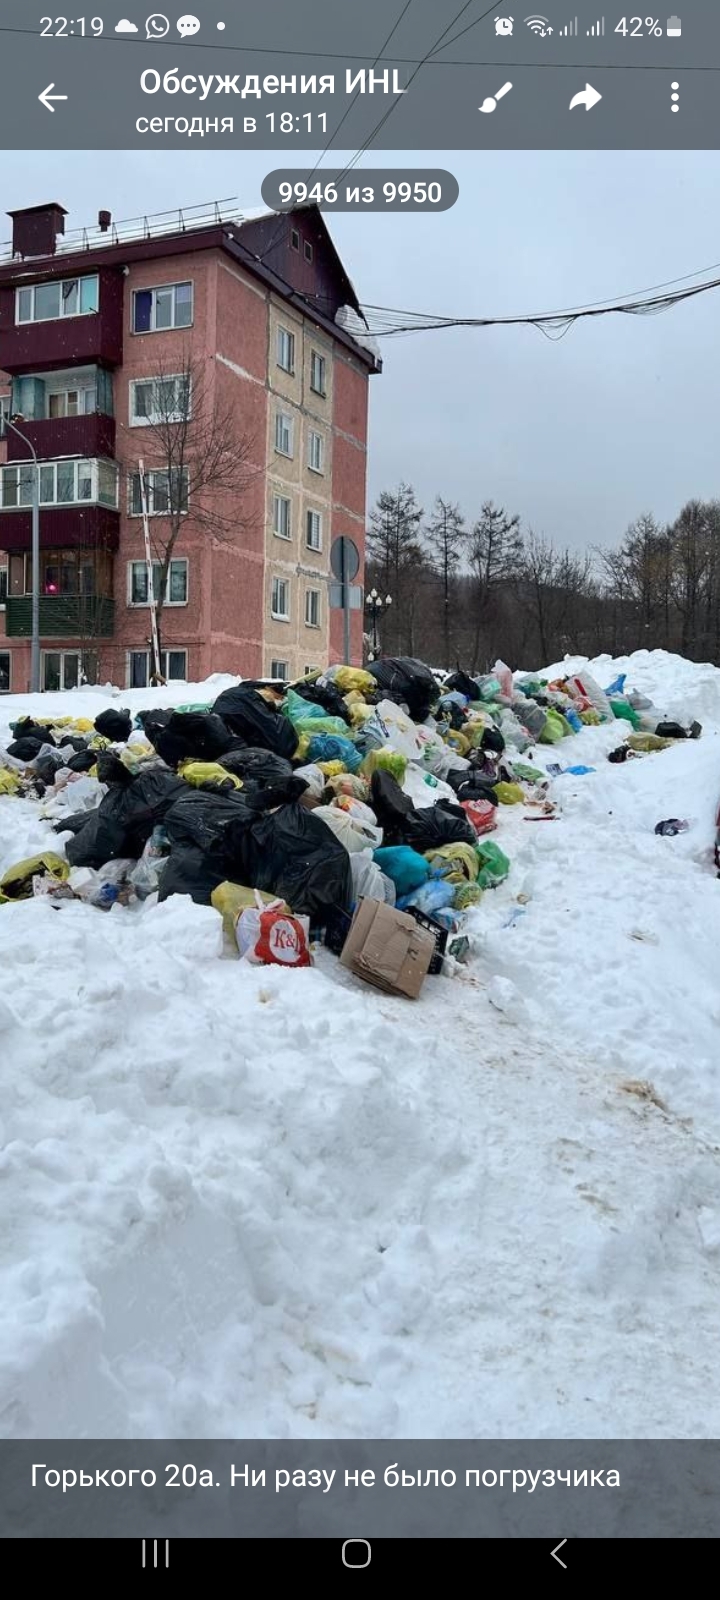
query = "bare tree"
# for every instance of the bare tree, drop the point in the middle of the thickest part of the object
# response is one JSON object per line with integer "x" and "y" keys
{"x": 446, "y": 536}
{"x": 197, "y": 465}
{"x": 553, "y": 582}
{"x": 396, "y": 557}
{"x": 495, "y": 559}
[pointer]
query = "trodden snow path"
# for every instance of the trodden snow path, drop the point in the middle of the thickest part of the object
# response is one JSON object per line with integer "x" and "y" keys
{"x": 243, "y": 1203}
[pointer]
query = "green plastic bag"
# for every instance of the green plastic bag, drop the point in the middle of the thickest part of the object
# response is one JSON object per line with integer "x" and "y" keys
{"x": 494, "y": 864}
{"x": 554, "y": 729}
{"x": 625, "y": 712}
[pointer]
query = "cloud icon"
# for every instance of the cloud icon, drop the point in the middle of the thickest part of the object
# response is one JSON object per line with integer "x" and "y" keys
{"x": 124, "y": 26}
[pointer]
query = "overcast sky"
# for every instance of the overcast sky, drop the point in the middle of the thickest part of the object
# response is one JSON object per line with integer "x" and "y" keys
{"x": 580, "y": 436}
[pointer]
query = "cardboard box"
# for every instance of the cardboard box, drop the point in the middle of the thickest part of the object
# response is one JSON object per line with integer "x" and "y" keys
{"x": 388, "y": 949}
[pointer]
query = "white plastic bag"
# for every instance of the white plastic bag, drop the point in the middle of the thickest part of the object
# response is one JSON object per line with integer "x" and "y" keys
{"x": 402, "y": 734}
{"x": 353, "y": 834}
{"x": 315, "y": 779}
{"x": 369, "y": 883}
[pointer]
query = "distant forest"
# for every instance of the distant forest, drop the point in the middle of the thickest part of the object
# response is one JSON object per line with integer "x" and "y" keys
{"x": 465, "y": 591}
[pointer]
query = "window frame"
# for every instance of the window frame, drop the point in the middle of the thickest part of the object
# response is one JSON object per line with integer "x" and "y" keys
{"x": 157, "y": 419}
{"x": 311, "y": 512}
{"x": 54, "y": 467}
{"x": 280, "y": 616}
{"x": 170, "y": 650}
{"x": 153, "y": 472}
{"x": 154, "y": 289}
{"x": 287, "y": 334}
{"x": 315, "y": 596}
{"x": 62, "y": 316}
{"x": 5, "y": 413}
{"x": 4, "y": 573}
{"x": 315, "y": 356}
{"x": 308, "y": 251}
{"x": 175, "y": 561}
{"x": 280, "y": 677}
{"x": 314, "y": 435}
{"x": 294, "y": 238}
{"x": 284, "y": 500}
{"x": 288, "y": 417}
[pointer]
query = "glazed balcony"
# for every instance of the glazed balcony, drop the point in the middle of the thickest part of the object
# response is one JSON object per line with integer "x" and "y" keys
{"x": 50, "y": 320}
{"x": 62, "y": 616}
{"x": 64, "y": 413}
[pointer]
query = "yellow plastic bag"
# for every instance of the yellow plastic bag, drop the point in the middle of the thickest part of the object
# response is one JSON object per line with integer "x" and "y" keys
{"x": 330, "y": 769}
{"x": 509, "y": 794}
{"x": 459, "y": 863}
{"x": 199, "y": 772}
{"x": 466, "y": 895}
{"x": 458, "y": 742}
{"x": 17, "y": 881}
{"x": 303, "y": 745}
{"x": 9, "y": 781}
{"x": 231, "y": 899}
{"x": 346, "y": 678}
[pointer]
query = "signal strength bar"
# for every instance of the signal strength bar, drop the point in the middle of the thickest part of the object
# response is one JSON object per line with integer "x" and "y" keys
{"x": 597, "y": 31}
{"x": 569, "y": 31}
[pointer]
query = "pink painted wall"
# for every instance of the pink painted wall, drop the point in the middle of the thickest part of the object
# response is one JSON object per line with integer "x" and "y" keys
{"x": 349, "y": 489}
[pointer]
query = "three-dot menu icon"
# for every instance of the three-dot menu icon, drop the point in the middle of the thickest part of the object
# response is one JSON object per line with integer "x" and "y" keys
{"x": 675, "y": 96}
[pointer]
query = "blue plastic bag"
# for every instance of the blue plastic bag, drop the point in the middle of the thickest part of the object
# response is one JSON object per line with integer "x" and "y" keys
{"x": 330, "y": 747}
{"x": 430, "y": 897}
{"x": 618, "y": 686}
{"x": 571, "y": 716}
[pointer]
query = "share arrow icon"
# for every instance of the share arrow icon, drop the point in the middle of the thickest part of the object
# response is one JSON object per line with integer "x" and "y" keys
{"x": 588, "y": 98}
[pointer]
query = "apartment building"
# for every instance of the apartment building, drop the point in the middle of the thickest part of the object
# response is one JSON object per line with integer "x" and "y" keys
{"x": 104, "y": 331}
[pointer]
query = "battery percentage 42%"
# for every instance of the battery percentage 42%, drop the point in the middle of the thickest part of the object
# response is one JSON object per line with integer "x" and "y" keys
{"x": 637, "y": 27}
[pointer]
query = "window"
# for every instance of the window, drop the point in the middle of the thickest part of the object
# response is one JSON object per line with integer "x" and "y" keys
{"x": 47, "y": 302}
{"x": 4, "y": 671}
{"x": 294, "y": 239}
{"x": 4, "y": 414}
{"x": 65, "y": 669}
{"x": 279, "y": 670}
{"x": 72, "y": 402}
{"x": 282, "y": 516}
{"x": 166, "y": 492}
{"x": 3, "y": 585}
{"x": 64, "y": 572}
{"x": 286, "y": 350}
{"x": 316, "y": 451}
{"x": 308, "y": 671}
{"x": 283, "y": 433}
{"x": 313, "y": 530}
{"x": 318, "y": 368}
{"x": 280, "y": 603}
{"x": 308, "y": 250}
{"x": 160, "y": 400}
{"x": 177, "y": 582}
{"x": 312, "y": 608}
{"x": 155, "y": 310}
{"x": 173, "y": 667}
{"x": 61, "y": 483}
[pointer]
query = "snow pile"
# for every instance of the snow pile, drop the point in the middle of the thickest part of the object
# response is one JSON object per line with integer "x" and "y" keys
{"x": 240, "y": 1202}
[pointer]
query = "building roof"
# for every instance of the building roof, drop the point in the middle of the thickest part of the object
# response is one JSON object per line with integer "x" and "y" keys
{"x": 255, "y": 239}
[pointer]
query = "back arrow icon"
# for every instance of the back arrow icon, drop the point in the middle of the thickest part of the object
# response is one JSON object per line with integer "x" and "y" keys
{"x": 46, "y": 97}
{"x": 555, "y": 1556}
{"x": 588, "y": 98}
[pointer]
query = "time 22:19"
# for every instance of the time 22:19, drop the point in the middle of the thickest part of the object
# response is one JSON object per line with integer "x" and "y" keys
{"x": 285, "y": 122}
{"x": 64, "y": 26}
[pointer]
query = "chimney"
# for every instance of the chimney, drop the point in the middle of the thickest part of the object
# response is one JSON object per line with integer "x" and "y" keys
{"x": 104, "y": 220}
{"x": 36, "y": 229}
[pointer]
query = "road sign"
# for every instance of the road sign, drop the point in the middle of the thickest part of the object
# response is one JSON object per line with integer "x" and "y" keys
{"x": 340, "y": 591}
{"x": 344, "y": 559}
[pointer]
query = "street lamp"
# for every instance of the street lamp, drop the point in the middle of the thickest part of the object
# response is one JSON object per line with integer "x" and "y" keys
{"x": 375, "y": 604}
{"x": 35, "y": 631}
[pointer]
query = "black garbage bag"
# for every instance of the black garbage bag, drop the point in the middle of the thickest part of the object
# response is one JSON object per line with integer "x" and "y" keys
{"x": 190, "y": 870}
{"x": 460, "y": 683}
{"x": 75, "y": 741}
{"x": 492, "y": 739}
{"x": 257, "y": 766}
{"x": 125, "y": 818}
{"x": 48, "y": 765}
{"x": 196, "y": 825}
{"x": 110, "y": 769}
{"x": 153, "y": 721}
{"x": 192, "y": 735}
{"x": 82, "y": 761}
{"x": 115, "y": 725}
{"x": 253, "y": 719}
{"x": 434, "y": 826}
{"x": 26, "y": 748}
{"x": 407, "y": 682}
{"x": 72, "y": 824}
{"x": 473, "y": 786}
{"x": 326, "y": 696}
{"x": 28, "y": 728}
{"x": 293, "y": 854}
{"x": 391, "y": 806}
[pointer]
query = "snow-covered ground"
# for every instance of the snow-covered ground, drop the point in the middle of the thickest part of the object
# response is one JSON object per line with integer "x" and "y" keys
{"x": 263, "y": 1203}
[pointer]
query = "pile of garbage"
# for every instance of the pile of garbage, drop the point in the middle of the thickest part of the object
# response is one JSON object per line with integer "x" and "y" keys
{"x": 285, "y": 808}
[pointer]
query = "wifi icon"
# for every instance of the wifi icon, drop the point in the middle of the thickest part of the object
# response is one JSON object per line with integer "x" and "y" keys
{"x": 538, "y": 25}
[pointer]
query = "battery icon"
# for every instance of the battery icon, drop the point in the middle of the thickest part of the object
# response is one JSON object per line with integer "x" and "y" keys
{"x": 674, "y": 28}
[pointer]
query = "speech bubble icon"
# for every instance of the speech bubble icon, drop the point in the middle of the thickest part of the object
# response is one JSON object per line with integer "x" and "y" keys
{"x": 188, "y": 25}
{"x": 157, "y": 26}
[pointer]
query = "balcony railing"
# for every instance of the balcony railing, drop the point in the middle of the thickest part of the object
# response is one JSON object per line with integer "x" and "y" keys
{"x": 62, "y": 616}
